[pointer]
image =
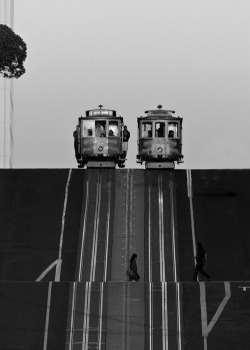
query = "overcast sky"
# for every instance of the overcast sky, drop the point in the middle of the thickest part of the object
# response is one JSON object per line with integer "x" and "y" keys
{"x": 131, "y": 55}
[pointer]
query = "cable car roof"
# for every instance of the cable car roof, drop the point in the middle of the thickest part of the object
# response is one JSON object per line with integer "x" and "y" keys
{"x": 100, "y": 113}
{"x": 159, "y": 114}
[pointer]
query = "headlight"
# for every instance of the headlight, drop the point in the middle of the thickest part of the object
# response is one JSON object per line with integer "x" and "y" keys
{"x": 100, "y": 148}
{"x": 159, "y": 149}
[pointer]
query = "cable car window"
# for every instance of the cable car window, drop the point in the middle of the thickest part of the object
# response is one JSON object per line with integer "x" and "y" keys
{"x": 146, "y": 129}
{"x": 100, "y": 128}
{"x": 87, "y": 128}
{"x": 160, "y": 129}
{"x": 100, "y": 112}
{"x": 113, "y": 128}
{"x": 172, "y": 130}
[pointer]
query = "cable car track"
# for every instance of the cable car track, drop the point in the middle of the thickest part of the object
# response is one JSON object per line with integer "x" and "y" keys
{"x": 96, "y": 227}
{"x": 93, "y": 293}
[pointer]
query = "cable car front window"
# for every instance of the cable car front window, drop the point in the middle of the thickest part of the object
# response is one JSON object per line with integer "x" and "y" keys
{"x": 87, "y": 128}
{"x": 113, "y": 128}
{"x": 146, "y": 129}
{"x": 100, "y": 128}
{"x": 172, "y": 130}
{"x": 160, "y": 129}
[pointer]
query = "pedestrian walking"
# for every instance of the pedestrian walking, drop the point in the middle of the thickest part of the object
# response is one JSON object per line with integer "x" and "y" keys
{"x": 201, "y": 257}
{"x": 132, "y": 270}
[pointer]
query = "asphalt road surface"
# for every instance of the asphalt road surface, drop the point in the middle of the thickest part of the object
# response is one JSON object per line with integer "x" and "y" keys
{"x": 65, "y": 244}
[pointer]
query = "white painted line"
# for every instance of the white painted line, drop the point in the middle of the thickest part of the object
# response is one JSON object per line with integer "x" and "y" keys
{"x": 107, "y": 230}
{"x": 150, "y": 272}
{"x": 149, "y": 236}
{"x": 164, "y": 317}
{"x": 178, "y": 317}
{"x": 96, "y": 227}
{"x": 244, "y": 288}
{"x": 161, "y": 229}
{"x": 126, "y": 252}
{"x": 151, "y": 324}
{"x": 171, "y": 186}
{"x": 72, "y": 319}
{"x": 190, "y": 196}
{"x": 173, "y": 229}
{"x": 100, "y": 318}
{"x": 86, "y": 316}
{"x": 46, "y": 271}
{"x": 84, "y": 231}
{"x": 45, "y": 340}
{"x": 59, "y": 260}
{"x": 206, "y": 328}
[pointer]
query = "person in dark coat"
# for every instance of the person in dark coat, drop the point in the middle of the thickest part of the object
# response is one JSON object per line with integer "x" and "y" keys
{"x": 76, "y": 135}
{"x": 133, "y": 274}
{"x": 201, "y": 257}
{"x": 126, "y": 137}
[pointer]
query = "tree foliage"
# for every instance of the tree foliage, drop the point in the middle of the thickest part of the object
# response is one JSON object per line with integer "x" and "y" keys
{"x": 13, "y": 52}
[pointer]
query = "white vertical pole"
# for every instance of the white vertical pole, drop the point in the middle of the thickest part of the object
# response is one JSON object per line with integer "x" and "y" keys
{"x": 6, "y": 96}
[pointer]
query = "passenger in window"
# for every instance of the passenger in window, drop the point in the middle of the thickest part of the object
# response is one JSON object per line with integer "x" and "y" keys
{"x": 89, "y": 132}
{"x": 99, "y": 130}
{"x": 111, "y": 132}
{"x": 149, "y": 133}
{"x": 160, "y": 131}
{"x": 171, "y": 133}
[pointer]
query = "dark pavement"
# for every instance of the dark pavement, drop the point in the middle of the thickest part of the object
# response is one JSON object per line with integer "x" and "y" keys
{"x": 65, "y": 243}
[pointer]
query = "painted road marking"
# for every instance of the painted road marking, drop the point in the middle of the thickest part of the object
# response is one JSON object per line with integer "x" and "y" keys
{"x": 96, "y": 227}
{"x": 126, "y": 253}
{"x": 161, "y": 229}
{"x": 45, "y": 341}
{"x": 107, "y": 229}
{"x": 164, "y": 317}
{"x": 149, "y": 236}
{"x": 100, "y": 318}
{"x": 44, "y": 273}
{"x": 84, "y": 230}
{"x": 59, "y": 260}
{"x": 86, "y": 316}
{"x": 244, "y": 288}
{"x": 150, "y": 270}
{"x": 173, "y": 229}
{"x": 179, "y": 342}
{"x": 206, "y": 328}
{"x": 190, "y": 196}
{"x": 178, "y": 317}
{"x": 72, "y": 319}
{"x": 151, "y": 323}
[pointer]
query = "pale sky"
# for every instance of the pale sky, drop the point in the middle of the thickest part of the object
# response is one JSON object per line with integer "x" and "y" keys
{"x": 132, "y": 55}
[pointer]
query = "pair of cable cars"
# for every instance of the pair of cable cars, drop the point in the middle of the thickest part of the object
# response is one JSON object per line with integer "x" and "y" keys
{"x": 100, "y": 142}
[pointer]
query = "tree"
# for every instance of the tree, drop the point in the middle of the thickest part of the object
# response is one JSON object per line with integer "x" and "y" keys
{"x": 13, "y": 52}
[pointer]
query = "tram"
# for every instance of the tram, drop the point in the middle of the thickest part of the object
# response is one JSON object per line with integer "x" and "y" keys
{"x": 159, "y": 139}
{"x": 98, "y": 139}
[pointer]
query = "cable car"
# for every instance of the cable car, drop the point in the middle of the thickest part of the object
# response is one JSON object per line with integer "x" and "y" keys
{"x": 159, "y": 139}
{"x": 99, "y": 139}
